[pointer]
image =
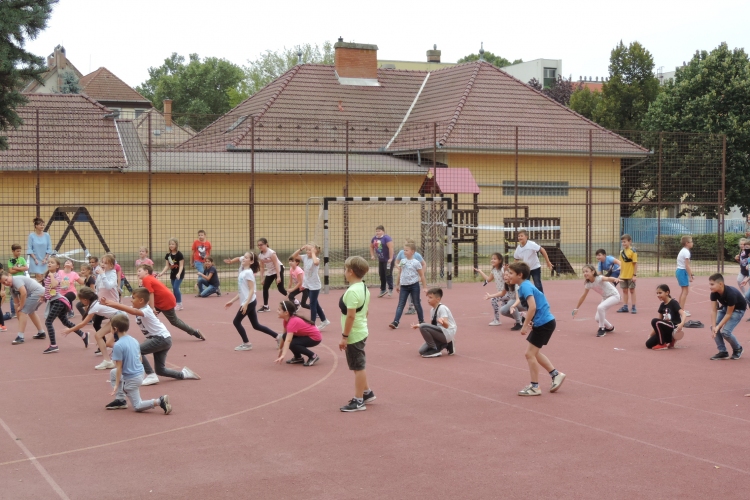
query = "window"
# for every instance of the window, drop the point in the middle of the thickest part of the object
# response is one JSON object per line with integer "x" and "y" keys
{"x": 550, "y": 74}
{"x": 536, "y": 188}
{"x": 237, "y": 123}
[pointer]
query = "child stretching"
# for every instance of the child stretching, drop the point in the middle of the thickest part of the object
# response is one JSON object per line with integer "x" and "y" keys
{"x": 541, "y": 324}
{"x": 158, "y": 340}
{"x": 163, "y": 301}
{"x": 272, "y": 270}
{"x": 410, "y": 273}
{"x": 57, "y": 304}
{"x": 683, "y": 272}
{"x": 246, "y": 296}
{"x": 728, "y": 308}
{"x": 664, "y": 331}
{"x": 610, "y": 297}
{"x": 440, "y": 333}
{"x": 126, "y": 378}
{"x": 311, "y": 280}
{"x": 628, "y": 268}
{"x": 27, "y": 293}
{"x": 496, "y": 275}
{"x": 354, "y": 306}
{"x": 94, "y": 308}
{"x": 299, "y": 335}
{"x": 69, "y": 280}
{"x": 511, "y": 307}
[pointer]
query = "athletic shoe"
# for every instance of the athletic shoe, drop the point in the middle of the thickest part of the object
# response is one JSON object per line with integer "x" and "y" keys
{"x": 393, "y": 325}
{"x": 323, "y": 325}
{"x": 188, "y": 374}
{"x": 687, "y": 314}
{"x": 295, "y": 361}
{"x": 411, "y": 311}
{"x": 199, "y": 335}
{"x": 3, "y": 328}
{"x": 516, "y": 327}
{"x": 218, "y": 292}
{"x": 610, "y": 330}
{"x": 671, "y": 345}
{"x": 557, "y": 381}
{"x": 432, "y": 353}
{"x": 105, "y": 365}
{"x": 150, "y": 379}
{"x": 71, "y": 314}
{"x": 368, "y": 397}
{"x": 632, "y": 310}
{"x": 278, "y": 341}
{"x": 296, "y": 302}
{"x": 390, "y": 293}
{"x": 601, "y": 332}
{"x": 117, "y": 404}
{"x": 354, "y": 405}
{"x": 623, "y": 309}
{"x": 530, "y": 390}
{"x": 660, "y": 347}
{"x": 85, "y": 338}
{"x": 98, "y": 352}
{"x": 40, "y": 336}
{"x": 244, "y": 347}
{"x": 164, "y": 403}
{"x": 382, "y": 293}
{"x": 720, "y": 355}
{"x": 51, "y": 349}
{"x": 451, "y": 348}
{"x": 737, "y": 354}
{"x": 495, "y": 322}
{"x": 18, "y": 340}
{"x": 264, "y": 309}
{"x": 312, "y": 360}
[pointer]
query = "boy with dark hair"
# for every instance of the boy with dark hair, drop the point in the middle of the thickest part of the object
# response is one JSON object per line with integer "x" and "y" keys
{"x": 208, "y": 279}
{"x": 381, "y": 248}
{"x": 608, "y": 266}
{"x": 728, "y": 308}
{"x": 440, "y": 333}
{"x": 628, "y": 268}
{"x": 201, "y": 250}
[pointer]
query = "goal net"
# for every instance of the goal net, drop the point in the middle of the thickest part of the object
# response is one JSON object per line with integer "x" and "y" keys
{"x": 346, "y": 227}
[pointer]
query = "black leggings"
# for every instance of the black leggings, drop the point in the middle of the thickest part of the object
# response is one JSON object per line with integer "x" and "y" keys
{"x": 58, "y": 310}
{"x": 268, "y": 281}
{"x": 663, "y": 331}
{"x": 305, "y": 295}
{"x": 299, "y": 346}
{"x": 253, "y": 321}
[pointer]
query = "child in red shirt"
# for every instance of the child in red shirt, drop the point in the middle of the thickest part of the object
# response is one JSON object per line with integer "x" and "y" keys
{"x": 162, "y": 300}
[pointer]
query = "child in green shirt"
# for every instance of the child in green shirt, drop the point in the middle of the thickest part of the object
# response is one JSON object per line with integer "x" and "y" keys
{"x": 17, "y": 266}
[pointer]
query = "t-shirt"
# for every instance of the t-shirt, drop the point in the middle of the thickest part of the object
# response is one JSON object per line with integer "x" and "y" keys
{"x": 174, "y": 265}
{"x": 409, "y": 271}
{"x": 400, "y": 255}
{"x": 102, "y": 310}
{"x": 356, "y": 296}
{"x": 297, "y": 275}
{"x": 163, "y": 297}
{"x": 128, "y": 350}
{"x": 69, "y": 281}
{"x": 50, "y": 292}
{"x": 19, "y": 262}
{"x": 150, "y": 324}
{"x": 107, "y": 285}
{"x": 301, "y": 328}
{"x": 609, "y": 263}
{"x": 90, "y": 282}
{"x": 268, "y": 259}
{"x": 681, "y": 257}
{"x": 497, "y": 276}
{"x": 380, "y": 245}
{"x": 543, "y": 314}
{"x": 603, "y": 288}
{"x": 311, "y": 280}
{"x": 201, "y": 250}
{"x": 146, "y": 261}
{"x": 671, "y": 311}
{"x": 730, "y": 297}
{"x": 32, "y": 286}
{"x": 243, "y": 287}
{"x": 744, "y": 258}
{"x": 528, "y": 254}
{"x": 444, "y": 312}
{"x": 628, "y": 259}
{"x": 214, "y": 280}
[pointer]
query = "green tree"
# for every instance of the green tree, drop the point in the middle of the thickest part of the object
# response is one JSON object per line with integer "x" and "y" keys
{"x": 712, "y": 94}
{"x": 585, "y": 102}
{"x": 491, "y": 58}
{"x": 70, "y": 83}
{"x": 19, "y": 20}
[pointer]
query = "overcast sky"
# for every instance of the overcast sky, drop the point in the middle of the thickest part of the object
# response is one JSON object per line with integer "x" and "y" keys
{"x": 129, "y": 36}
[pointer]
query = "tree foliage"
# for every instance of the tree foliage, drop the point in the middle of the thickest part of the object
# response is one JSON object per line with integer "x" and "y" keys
{"x": 561, "y": 90}
{"x": 584, "y": 101}
{"x": 19, "y": 20}
{"x": 70, "y": 83}
{"x": 491, "y": 58}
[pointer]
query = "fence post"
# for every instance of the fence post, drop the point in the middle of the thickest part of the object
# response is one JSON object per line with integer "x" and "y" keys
{"x": 150, "y": 200}
{"x": 251, "y": 208}
{"x": 38, "y": 172}
{"x": 658, "y": 207}
{"x": 590, "y": 199}
{"x": 722, "y": 201}
{"x": 346, "y": 194}
{"x": 432, "y": 238}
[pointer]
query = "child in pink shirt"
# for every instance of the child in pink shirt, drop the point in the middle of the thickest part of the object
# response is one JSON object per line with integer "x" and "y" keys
{"x": 299, "y": 335}
{"x": 296, "y": 275}
{"x": 143, "y": 260}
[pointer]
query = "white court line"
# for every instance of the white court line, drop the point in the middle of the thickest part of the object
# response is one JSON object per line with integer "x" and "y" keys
{"x": 34, "y": 461}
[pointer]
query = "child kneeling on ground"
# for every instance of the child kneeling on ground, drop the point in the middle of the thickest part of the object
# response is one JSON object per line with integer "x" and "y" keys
{"x": 665, "y": 332}
{"x": 441, "y": 332}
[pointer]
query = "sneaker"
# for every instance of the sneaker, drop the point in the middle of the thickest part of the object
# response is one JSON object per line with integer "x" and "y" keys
{"x": 411, "y": 311}
{"x": 40, "y": 335}
{"x": 199, "y": 335}
{"x": 98, "y": 352}
{"x": 164, "y": 403}
{"x": 432, "y": 353}
{"x": 632, "y": 310}
{"x": 3, "y": 328}
{"x": 188, "y": 374}
{"x": 671, "y": 345}
{"x": 278, "y": 341}
{"x": 323, "y": 325}
{"x": 71, "y": 314}
{"x": 601, "y": 332}
{"x": 150, "y": 379}
{"x": 720, "y": 355}
{"x": 179, "y": 307}
{"x": 312, "y": 360}
{"x": 368, "y": 397}
{"x": 295, "y": 361}
{"x": 495, "y": 322}
{"x": 105, "y": 365}
{"x": 660, "y": 347}
{"x": 393, "y": 325}
{"x": 516, "y": 327}
{"x": 451, "y": 348}
{"x": 218, "y": 292}
{"x": 623, "y": 309}
{"x": 557, "y": 381}
{"x": 530, "y": 390}
{"x": 737, "y": 354}
{"x": 354, "y": 405}
{"x": 117, "y": 404}
{"x": 296, "y": 302}
{"x": 18, "y": 340}
{"x": 264, "y": 309}
{"x": 85, "y": 338}
{"x": 382, "y": 293}
{"x": 687, "y": 314}
{"x": 390, "y": 293}
{"x": 610, "y": 330}
{"x": 244, "y": 347}
{"x": 54, "y": 348}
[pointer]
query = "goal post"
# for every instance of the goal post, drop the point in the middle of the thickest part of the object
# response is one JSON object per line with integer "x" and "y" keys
{"x": 347, "y": 224}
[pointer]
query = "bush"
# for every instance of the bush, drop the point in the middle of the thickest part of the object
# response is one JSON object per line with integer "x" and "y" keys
{"x": 704, "y": 246}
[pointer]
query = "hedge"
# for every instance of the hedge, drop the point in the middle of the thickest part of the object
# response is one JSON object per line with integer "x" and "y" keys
{"x": 704, "y": 245}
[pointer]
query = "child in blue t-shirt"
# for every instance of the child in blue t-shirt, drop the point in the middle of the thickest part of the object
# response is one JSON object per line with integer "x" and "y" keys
{"x": 541, "y": 324}
{"x": 608, "y": 266}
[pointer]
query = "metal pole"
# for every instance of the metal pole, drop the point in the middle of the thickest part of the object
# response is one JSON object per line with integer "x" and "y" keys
{"x": 346, "y": 193}
{"x": 590, "y": 199}
{"x": 150, "y": 200}
{"x": 251, "y": 208}
{"x": 38, "y": 171}
{"x": 658, "y": 207}
{"x": 722, "y": 201}
{"x": 432, "y": 235}
{"x": 515, "y": 200}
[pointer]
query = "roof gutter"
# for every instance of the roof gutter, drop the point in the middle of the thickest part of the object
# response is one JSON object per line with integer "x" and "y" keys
{"x": 406, "y": 117}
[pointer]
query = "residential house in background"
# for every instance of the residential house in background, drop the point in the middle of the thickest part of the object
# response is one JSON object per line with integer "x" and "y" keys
{"x": 164, "y": 132}
{"x": 115, "y": 94}
{"x": 58, "y": 67}
{"x": 545, "y": 71}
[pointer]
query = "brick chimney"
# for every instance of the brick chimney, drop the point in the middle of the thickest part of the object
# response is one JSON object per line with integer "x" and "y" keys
{"x": 433, "y": 56}
{"x": 356, "y": 60}
{"x": 168, "y": 113}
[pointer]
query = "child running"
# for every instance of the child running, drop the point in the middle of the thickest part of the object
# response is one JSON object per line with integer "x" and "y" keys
{"x": 664, "y": 331}
{"x": 496, "y": 275}
{"x": 410, "y": 274}
{"x": 126, "y": 378}
{"x": 299, "y": 335}
{"x": 272, "y": 270}
{"x": 58, "y": 305}
{"x": 248, "y": 302}
{"x": 610, "y": 297}
{"x": 440, "y": 333}
{"x": 296, "y": 279}
{"x": 628, "y": 276}
{"x": 541, "y": 324}
{"x": 27, "y": 293}
{"x": 728, "y": 308}
{"x": 683, "y": 273}
{"x": 311, "y": 281}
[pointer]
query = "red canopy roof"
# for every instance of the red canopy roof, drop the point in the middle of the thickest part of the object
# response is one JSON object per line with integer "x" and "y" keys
{"x": 450, "y": 181}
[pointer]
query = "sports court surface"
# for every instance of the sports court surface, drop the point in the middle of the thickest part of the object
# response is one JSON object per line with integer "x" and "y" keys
{"x": 627, "y": 423}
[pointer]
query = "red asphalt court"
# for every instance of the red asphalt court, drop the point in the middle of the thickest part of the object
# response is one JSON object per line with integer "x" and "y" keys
{"x": 628, "y": 422}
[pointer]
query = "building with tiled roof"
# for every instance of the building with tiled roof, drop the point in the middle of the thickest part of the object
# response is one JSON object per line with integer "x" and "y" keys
{"x": 112, "y": 92}
{"x": 53, "y": 78}
{"x": 164, "y": 132}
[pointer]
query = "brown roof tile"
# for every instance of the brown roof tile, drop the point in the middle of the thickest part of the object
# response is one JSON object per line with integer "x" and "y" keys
{"x": 104, "y": 86}
{"x": 160, "y": 136}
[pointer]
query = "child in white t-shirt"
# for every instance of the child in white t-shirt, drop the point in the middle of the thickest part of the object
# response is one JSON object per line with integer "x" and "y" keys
{"x": 526, "y": 251}
{"x": 683, "y": 273}
{"x": 602, "y": 285}
{"x": 440, "y": 333}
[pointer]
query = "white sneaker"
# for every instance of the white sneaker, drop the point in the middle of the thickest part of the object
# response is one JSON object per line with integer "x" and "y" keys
{"x": 151, "y": 379}
{"x": 557, "y": 382}
{"x": 179, "y": 307}
{"x": 105, "y": 365}
{"x": 687, "y": 314}
{"x": 296, "y": 302}
{"x": 323, "y": 325}
{"x": 244, "y": 347}
{"x": 495, "y": 322}
{"x": 189, "y": 374}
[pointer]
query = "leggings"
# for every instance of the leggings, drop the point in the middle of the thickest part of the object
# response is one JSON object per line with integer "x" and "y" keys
{"x": 176, "y": 290}
{"x": 305, "y": 295}
{"x": 299, "y": 346}
{"x": 663, "y": 331}
{"x": 58, "y": 310}
{"x": 601, "y": 310}
{"x": 253, "y": 315}
{"x": 268, "y": 281}
{"x": 315, "y": 309}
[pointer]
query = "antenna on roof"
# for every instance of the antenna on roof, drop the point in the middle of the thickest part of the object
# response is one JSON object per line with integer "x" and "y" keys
{"x": 481, "y": 52}
{"x": 299, "y": 56}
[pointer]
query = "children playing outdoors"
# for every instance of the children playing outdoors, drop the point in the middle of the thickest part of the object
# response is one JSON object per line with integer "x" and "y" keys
{"x": 540, "y": 325}
{"x": 440, "y": 333}
{"x": 410, "y": 274}
{"x": 381, "y": 248}
{"x": 58, "y": 304}
{"x": 602, "y": 285}
{"x": 16, "y": 267}
{"x": 420, "y": 259}
{"x": 127, "y": 376}
{"x": 299, "y": 335}
{"x": 201, "y": 249}
{"x": 143, "y": 259}
{"x": 208, "y": 279}
{"x": 527, "y": 251}
{"x": 311, "y": 281}
{"x": 496, "y": 275}
{"x": 89, "y": 281}
{"x": 608, "y": 266}
{"x": 271, "y": 270}
{"x": 628, "y": 276}
{"x": 742, "y": 259}
{"x": 246, "y": 296}
{"x": 296, "y": 280}
{"x": 664, "y": 331}
{"x": 163, "y": 301}
{"x": 354, "y": 306}
{"x": 728, "y": 307}
{"x": 93, "y": 308}
{"x": 683, "y": 272}
{"x": 27, "y": 293}
{"x": 175, "y": 263}
{"x": 69, "y": 280}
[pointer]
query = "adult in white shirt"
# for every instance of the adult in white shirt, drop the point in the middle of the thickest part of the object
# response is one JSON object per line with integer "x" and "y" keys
{"x": 527, "y": 251}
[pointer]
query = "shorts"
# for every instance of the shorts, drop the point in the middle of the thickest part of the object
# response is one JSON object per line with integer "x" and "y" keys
{"x": 355, "y": 355}
{"x": 32, "y": 303}
{"x": 682, "y": 277}
{"x": 627, "y": 284}
{"x": 541, "y": 334}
